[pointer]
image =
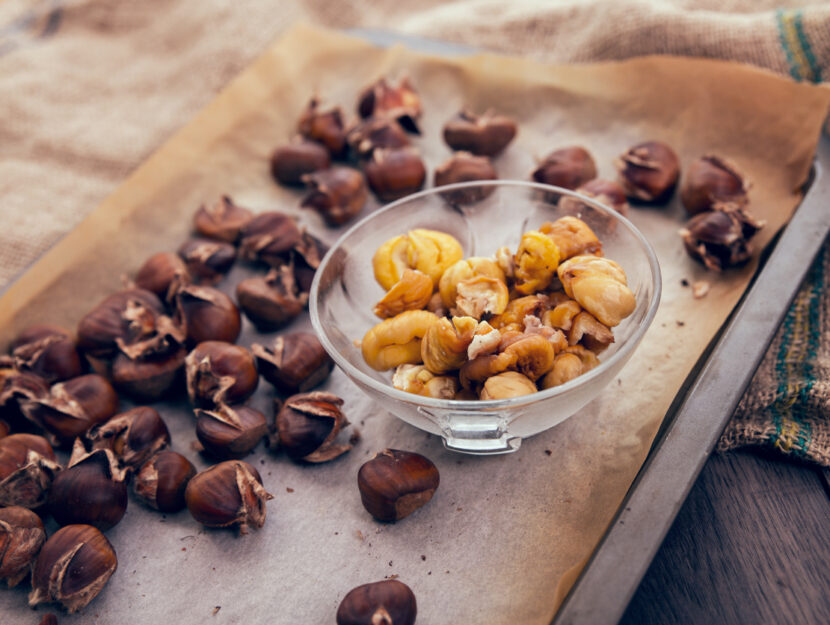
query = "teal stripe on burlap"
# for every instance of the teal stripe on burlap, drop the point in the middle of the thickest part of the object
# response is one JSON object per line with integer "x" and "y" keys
{"x": 805, "y": 45}
{"x": 782, "y": 36}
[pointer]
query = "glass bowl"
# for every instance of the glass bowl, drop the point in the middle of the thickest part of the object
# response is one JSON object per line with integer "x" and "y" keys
{"x": 344, "y": 292}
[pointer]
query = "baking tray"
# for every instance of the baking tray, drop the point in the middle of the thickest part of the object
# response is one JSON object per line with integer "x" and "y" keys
{"x": 701, "y": 409}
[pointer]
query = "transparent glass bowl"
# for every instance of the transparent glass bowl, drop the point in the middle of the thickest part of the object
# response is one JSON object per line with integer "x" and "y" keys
{"x": 344, "y": 292}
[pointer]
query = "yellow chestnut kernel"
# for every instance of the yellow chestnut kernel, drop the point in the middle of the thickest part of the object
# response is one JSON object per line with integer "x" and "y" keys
{"x": 573, "y": 237}
{"x": 444, "y": 347}
{"x": 535, "y": 263}
{"x": 565, "y": 368}
{"x": 390, "y": 260}
{"x": 432, "y": 252}
{"x": 397, "y": 341}
{"x": 481, "y": 295}
{"x": 412, "y": 292}
{"x": 506, "y": 385}
{"x": 599, "y": 285}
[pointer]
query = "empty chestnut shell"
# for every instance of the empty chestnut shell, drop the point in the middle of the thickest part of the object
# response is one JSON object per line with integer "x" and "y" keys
{"x": 273, "y": 301}
{"x": 132, "y": 436}
{"x": 337, "y": 193}
{"x": 395, "y": 483}
{"x": 121, "y": 319}
{"x": 222, "y": 220}
{"x": 605, "y": 192}
{"x": 219, "y": 373}
{"x": 649, "y": 172}
{"x": 399, "y": 102}
{"x": 207, "y": 314}
{"x": 307, "y": 425}
{"x": 226, "y": 495}
{"x": 374, "y": 133}
{"x": 72, "y": 568}
{"x": 161, "y": 481}
{"x": 569, "y": 168}
{"x": 465, "y": 167}
{"x": 47, "y": 351}
{"x": 230, "y": 431}
{"x": 21, "y": 537}
{"x": 27, "y": 467}
{"x": 395, "y": 172}
{"x": 721, "y": 238}
{"x": 295, "y": 363}
{"x": 289, "y": 163}
{"x": 207, "y": 260}
{"x": 483, "y": 135}
{"x": 150, "y": 378}
{"x": 161, "y": 274}
{"x": 269, "y": 238}
{"x": 388, "y": 602}
{"x": 711, "y": 182}
{"x": 324, "y": 125}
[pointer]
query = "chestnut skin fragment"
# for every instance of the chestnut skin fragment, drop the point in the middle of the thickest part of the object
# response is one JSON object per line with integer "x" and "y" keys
{"x": 395, "y": 483}
{"x": 393, "y": 173}
{"x": 307, "y": 425}
{"x": 207, "y": 314}
{"x": 649, "y": 172}
{"x": 337, "y": 193}
{"x": 272, "y": 301}
{"x": 295, "y": 363}
{"x": 388, "y": 602}
{"x": 28, "y": 466}
{"x": 269, "y": 238}
{"x": 482, "y": 135}
{"x": 219, "y": 372}
{"x": 47, "y": 351}
{"x": 223, "y": 220}
{"x": 710, "y": 182}
{"x": 569, "y": 167}
{"x": 289, "y": 163}
{"x": 132, "y": 436}
{"x": 21, "y": 537}
{"x": 161, "y": 481}
{"x": 465, "y": 167}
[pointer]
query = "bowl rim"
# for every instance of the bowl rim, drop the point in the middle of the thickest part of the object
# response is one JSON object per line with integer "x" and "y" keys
{"x": 467, "y": 405}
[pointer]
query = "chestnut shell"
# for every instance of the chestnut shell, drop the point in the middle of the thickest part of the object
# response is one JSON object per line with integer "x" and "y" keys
{"x": 161, "y": 481}
{"x": 395, "y": 483}
{"x": 388, "y": 602}
{"x": 48, "y": 352}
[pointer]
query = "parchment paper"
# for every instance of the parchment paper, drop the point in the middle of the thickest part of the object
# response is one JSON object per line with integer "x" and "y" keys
{"x": 501, "y": 531}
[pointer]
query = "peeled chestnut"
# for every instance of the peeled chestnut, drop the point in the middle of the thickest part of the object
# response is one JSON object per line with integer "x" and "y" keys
{"x": 161, "y": 274}
{"x": 269, "y": 238}
{"x": 465, "y": 167}
{"x": 605, "y": 192}
{"x": 72, "y": 568}
{"x": 27, "y": 467}
{"x": 569, "y": 168}
{"x": 483, "y": 135}
{"x": 222, "y": 220}
{"x": 649, "y": 171}
{"x": 721, "y": 238}
{"x": 324, "y": 125}
{"x": 226, "y": 495}
{"x": 388, "y": 602}
{"x": 710, "y": 182}
{"x": 272, "y": 301}
{"x": 395, "y": 172}
{"x": 219, "y": 373}
{"x": 337, "y": 193}
{"x": 148, "y": 378}
{"x": 207, "y": 260}
{"x": 295, "y": 363}
{"x": 399, "y": 102}
{"x": 395, "y": 483}
{"x": 207, "y": 314}
{"x": 21, "y": 537}
{"x": 47, "y": 351}
{"x": 307, "y": 425}
{"x": 289, "y": 163}
{"x": 230, "y": 431}
{"x": 374, "y": 133}
{"x": 161, "y": 481}
{"x": 132, "y": 436}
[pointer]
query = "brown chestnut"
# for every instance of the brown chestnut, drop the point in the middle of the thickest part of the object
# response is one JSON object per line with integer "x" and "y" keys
{"x": 72, "y": 568}
{"x": 150, "y": 378}
{"x": 219, "y": 373}
{"x": 307, "y": 256}
{"x": 21, "y": 537}
{"x": 720, "y": 239}
{"x": 374, "y": 133}
{"x": 605, "y": 192}
{"x": 324, "y": 125}
{"x": 395, "y": 483}
{"x": 289, "y": 163}
{"x": 483, "y": 135}
{"x": 47, "y": 351}
{"x": 162, "y": 274}
{"x": 269, "y": 238}
{"x": 15, "y": 389}
{"x": 5, "y": 429}
{"x": 399, "y": 102}
{"x": 395, "y": 172}
{"x": 207, "y": 314}
{"x": 230, "y": 431}
{"x": 49, "y": 619}
{"x": 27, "y": 467}
{"x": 712, "y": 182}
{"x": 222, "y": 220}
{"x": 569, "y": 168}
{"x": 307, "y": 425}
{"x": 91, "y": 490}
{"x": 161, "y": 481}
{"x": 388, "y": 602}
{"x": 295, "y": 363}
{"x": 207, "y": 260}
{"x": 649, "y": 171}
{"x": 226, "y": 495}
{"x": 465, "y": 167}
{"x": 132, "y": 436}
{"x": 272, "y": 301}
{"x": 337, "y": 193}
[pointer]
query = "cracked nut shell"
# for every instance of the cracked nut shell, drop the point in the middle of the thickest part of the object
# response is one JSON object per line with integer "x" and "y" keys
{"x": 21, "y": 537}
{"x": 48, "y": 352}
{"x": 399, "y": 102}
{"x": 295, "y": 363}
{"x": 223, "y": 220}
{"x": 338, "y": 194}
{"x": 269, "y": 238}
{"x": 649, "y": 171}
{"x": 375, "y": 133}
{"x": 465, "y": 167}
{"x": 289, "y": 163}
{"x": 324, "y": 125}
{"x": 122, "y": 318}
{"x": 395, "y": 483}
{"x": 207, "y": 260}
{"x": 483, "y": 135}
{"x": 307, "y": 425}
{"x": 388, "y": 602}
{"x": 393, "y": 173}
{"x": 720, "y": 239}
{"x": 219, "y": 372}
{"x": 272, "y": 301}
{"x": 569, "y": 168}
{"x": 161, "y": 274}
{"x": 132, "y": 436}
{"x": 711, "y": 182}
{"x": 230, "y": 431}
{"x": 27, "y": 467}
{"x": 150, "y": 378}
{"x": 161, "y": 481}
{"x": 207, "y": 314}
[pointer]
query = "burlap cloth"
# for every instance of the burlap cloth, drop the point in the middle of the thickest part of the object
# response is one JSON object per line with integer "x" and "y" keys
{"x": 88, "y": 88}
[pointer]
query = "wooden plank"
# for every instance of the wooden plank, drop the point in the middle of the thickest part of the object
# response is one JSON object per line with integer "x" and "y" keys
{"x": 750, "y": 545}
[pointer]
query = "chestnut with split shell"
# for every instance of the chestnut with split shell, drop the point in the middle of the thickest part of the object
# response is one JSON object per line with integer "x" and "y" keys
{"x": 47, "y": 351}
{"x": 161, "y": 481}
{"x": 207, "y": 314}
{"x": 399, "y": 102}
{"x": 294, "y": 363}
{"x": 269, "y": 238}
{"x": 388, "y": 602}
{"x": 569, "y": 167}
{"x": 272, "y": 301}
{"x": 219, "y": 372}
{"x": 222, "y": 220}
{"x": 289, "y": 163}
{"x": 649, "y": 172}
{"x": 338, "y": 194}
{"x": 27, "y": 467}
{"x": 465, "y": 167}
{"x": 395, "y": 483}
{"x": 324, "y": 124}
{"x": 230, "y": 431}
{"x": 21, "y": 537}
{"x": 484, "y": 135}
{"x": 162, "y": 274}
{"x": 132, "y": 436}
{"x": 308, "y": 424}
{"x": 712, "y": 182}
{"x": 207, "y": 260}
{"x": 393, "y": 173}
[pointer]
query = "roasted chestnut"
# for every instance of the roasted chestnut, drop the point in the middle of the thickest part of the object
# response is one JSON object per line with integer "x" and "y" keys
{"x": 161, "y": 481}
{"x": 230, "y": 431}
{"x": 721, "y": 238}
{"x": 605, "y": 192}
{"x": 226, "y": 495}
{"x": 569, "y": 168}
{"x": 307, "y": 256}
{"x": 399, "y": 102}
{"x": 388, "y": 602}
{"x": 5, "y": 430}
{"x": 712, "y": 182}
{"x": 337, "y": 193}
{"x": 324, "y": 125}
{"x": 72, "y": 568}
{"x": 91, "y": 490}
{"x": 222, "y": 220}
{"x": 269, "y": 238}
{"x": 27, "y": 467}
{"x": 289, "y": 163}
{"x": 48, "y": 352}
{"x": 374, "y": 133}
{"x": 149, "y": 378}
{"x": 207, "y": 260}
{"x": 395, "y": 172}
{"x": 162, "y": 274}
{"x": 295, "y": 363}
{"x": 21, "y": 537}
{"x": 132, "y": 436}
{"x": 483, "y": 135}
{"x": 273, "y": 301}
{"x": 207, "y": 314}
{"x": 15, "y": 389}
{"x": 307, "y": 425}
{"x": 649, "y": 171}
{"x": 395, "y": 483}
{"x": 49, "y": 619}
{"x": 465, "y": 167}
{"x": 219, "y": 373}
